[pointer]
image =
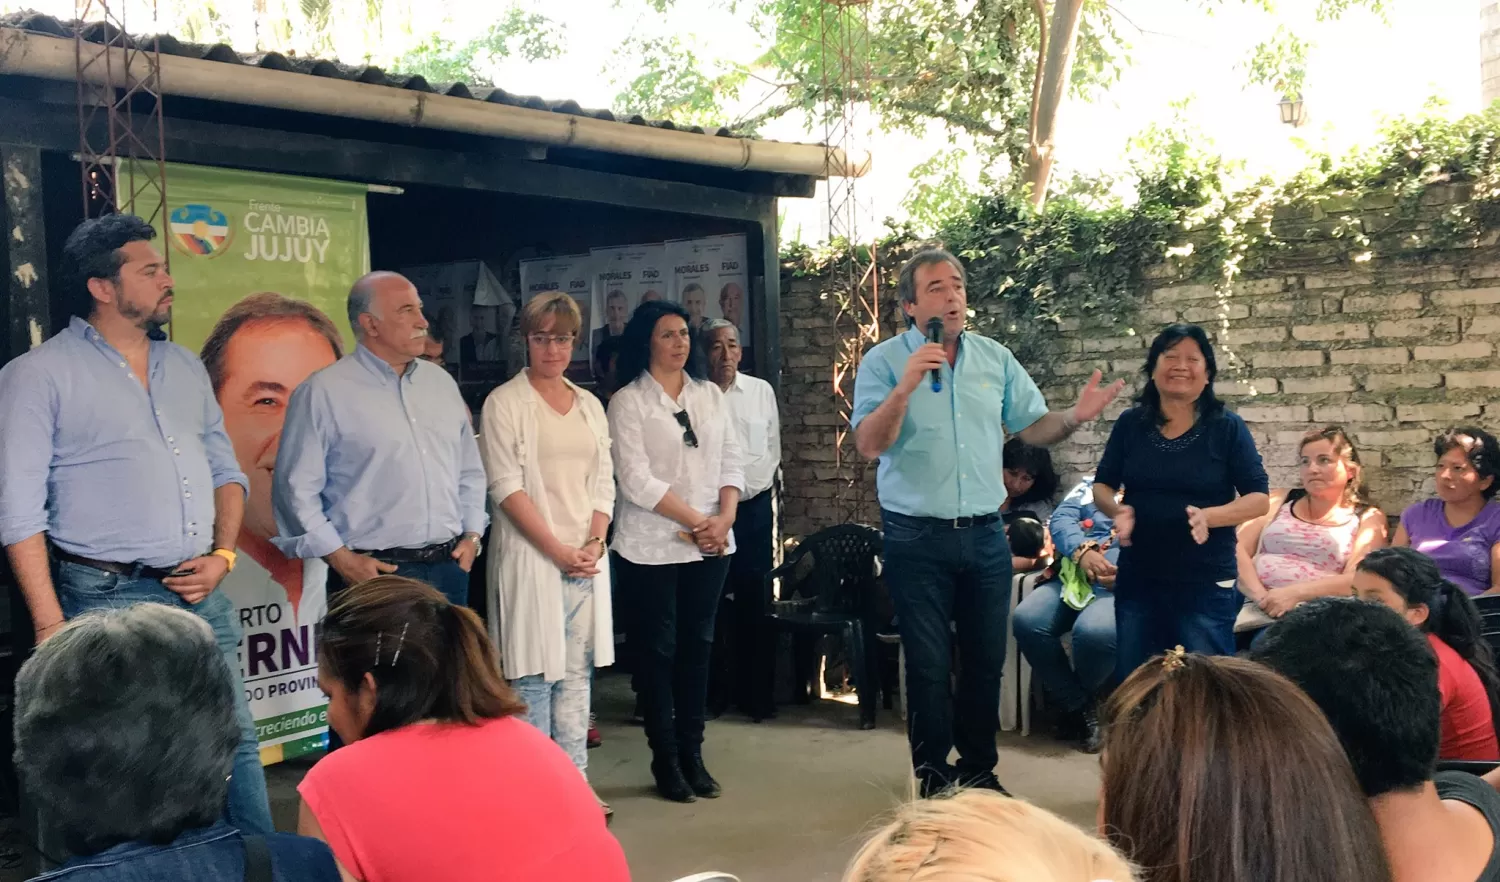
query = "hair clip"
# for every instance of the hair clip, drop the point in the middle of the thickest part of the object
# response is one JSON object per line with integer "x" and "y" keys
{"x": 402, "y": 642}
{"x": 1174, "y": 659}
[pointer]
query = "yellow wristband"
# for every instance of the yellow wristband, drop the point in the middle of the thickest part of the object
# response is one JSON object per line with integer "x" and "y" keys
{"x": 229, "y": 556}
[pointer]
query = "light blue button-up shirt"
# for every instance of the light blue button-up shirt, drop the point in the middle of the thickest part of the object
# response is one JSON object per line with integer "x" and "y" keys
{"x": 946, "y": 461}
{"x": 374, "y": 461}
{"x": 108, "y": 468}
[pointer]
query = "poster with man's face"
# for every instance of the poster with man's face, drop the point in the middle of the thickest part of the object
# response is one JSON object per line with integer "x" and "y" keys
{"x": 572, "y": 275}
{"x": 709, "y": 279}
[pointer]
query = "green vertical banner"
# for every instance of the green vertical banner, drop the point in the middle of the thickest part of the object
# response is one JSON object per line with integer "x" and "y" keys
{"x": 262, "y": 266}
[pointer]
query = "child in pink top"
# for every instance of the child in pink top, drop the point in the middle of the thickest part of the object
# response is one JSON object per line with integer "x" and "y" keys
{"x": 441, "y": 780}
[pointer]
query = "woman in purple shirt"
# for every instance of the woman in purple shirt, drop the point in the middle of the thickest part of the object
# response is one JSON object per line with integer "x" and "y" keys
{"x": 1460, "y": 529}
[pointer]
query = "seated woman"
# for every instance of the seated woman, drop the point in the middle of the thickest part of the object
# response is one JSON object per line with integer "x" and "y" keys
{"x": 1309, "y": 543}
{"x": 1078, "y": 600}
{"x": 983, "y": 836}
{"x": 125, "y": 737}
{"x": 1030, "y": 485}
{"x": 1460, "y": 529}
{"x": 1411, "y": 584}
{"x": 442, "y": 778}
{"x": 1217, "y": 769}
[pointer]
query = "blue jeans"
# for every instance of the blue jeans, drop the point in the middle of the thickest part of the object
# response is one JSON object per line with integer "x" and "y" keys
{"x": 941, "y": 577}
{"x": 1156, "y": 616}
{"x": 1040, "y": 622}
{"x": 81, "y": 589}
{"x": 206, "y": 854}
{"x": 561, "y": 708}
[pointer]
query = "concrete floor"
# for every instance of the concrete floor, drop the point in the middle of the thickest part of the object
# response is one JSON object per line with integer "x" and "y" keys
{"x": 800, "y": 792}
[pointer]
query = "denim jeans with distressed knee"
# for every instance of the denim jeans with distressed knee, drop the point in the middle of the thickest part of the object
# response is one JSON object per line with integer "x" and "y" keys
{"x": 561, "y": 708}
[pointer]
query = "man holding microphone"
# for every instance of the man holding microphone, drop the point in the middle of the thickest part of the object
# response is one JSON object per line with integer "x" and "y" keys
{"x": 935, "y": 415}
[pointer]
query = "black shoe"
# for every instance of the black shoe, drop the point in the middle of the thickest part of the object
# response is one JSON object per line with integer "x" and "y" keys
{"x": 985, "y": 781}
{"x": 1071, "y": 726}
{"x": 698, "y": 777}
{"x": 1095, "y": 740}
{"x": 669, "y": 781}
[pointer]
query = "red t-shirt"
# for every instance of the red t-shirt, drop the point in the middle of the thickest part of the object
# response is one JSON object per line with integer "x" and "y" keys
{"x": 1468, "y": 727}
{"x": 488, "y": 803}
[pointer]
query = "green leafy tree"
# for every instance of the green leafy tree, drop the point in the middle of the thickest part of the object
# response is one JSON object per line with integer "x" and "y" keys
{"x": 518, "y": 33}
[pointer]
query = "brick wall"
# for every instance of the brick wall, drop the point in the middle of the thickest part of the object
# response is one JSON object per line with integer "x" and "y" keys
{"x": 1394, "y": 351}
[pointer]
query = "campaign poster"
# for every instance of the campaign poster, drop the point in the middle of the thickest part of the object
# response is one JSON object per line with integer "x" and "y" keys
{"x": 571, "y": 274}
{"x": 468, "y": 312}
{"x": 625, "y": 277}
{"x": 262, "y": 265}
{"x": 710, "y": 278}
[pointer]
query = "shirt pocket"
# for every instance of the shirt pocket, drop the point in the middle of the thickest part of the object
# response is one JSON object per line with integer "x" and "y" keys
{"x": 756, "y": 434}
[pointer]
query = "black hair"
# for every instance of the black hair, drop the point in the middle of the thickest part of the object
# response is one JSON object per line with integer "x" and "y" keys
{"x": 1027, "y": 536}
{"x": 1209, "y": 405}
{"x": 635, "y": 342}
{"x": 906, "y": 282}
{"x": 1036, "y": 462}
{"x": 92, "y": 251}
{"x": 1375, "y": 679}
{"x": 125, "y": 729}
{"x": 1481, "y": 449}
{"x": 1451, "y": 615}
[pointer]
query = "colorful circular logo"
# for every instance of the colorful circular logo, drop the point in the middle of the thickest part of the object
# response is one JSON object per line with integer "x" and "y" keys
{"x": 199, "y": 230}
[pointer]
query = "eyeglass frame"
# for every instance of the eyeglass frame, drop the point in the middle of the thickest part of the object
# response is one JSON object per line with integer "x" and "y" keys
{"x": 545, "y": 340}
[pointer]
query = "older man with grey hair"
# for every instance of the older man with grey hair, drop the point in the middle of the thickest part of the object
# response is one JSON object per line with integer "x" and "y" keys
{"x": 378, "y": 470}
{"x": 125, "y": 737}
{"x": 757, "y": 423}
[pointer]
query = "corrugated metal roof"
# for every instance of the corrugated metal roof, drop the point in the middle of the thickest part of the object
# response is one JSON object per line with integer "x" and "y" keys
{"x": 100, "y": 32}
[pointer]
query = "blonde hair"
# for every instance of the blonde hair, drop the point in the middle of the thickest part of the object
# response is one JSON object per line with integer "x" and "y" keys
{"x": 982, "y": 836}
{"x": 561, "y": 307}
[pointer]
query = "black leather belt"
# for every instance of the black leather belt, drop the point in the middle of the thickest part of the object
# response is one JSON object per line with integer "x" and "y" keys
{"x": 132, "y": 570}
{"x": 962, "y": 523}
{"x": 430, "y": 554}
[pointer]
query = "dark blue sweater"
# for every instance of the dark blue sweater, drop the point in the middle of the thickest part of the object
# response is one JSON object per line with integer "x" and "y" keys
{"x": 1210, "y": 465}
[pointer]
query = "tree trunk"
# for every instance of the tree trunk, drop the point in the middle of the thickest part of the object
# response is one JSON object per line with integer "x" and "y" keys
{"x": 1056, "y": 73}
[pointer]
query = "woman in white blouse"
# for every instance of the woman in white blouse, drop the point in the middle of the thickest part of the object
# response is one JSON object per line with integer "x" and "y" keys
{"x": 680, "y": 476}
{"x": 546, "y": 451}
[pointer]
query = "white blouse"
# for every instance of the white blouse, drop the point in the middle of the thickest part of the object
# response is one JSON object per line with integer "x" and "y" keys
{"x": 652, "y": 457}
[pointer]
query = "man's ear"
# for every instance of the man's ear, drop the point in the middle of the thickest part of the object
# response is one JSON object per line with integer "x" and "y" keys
{"x": 103, "y": 290}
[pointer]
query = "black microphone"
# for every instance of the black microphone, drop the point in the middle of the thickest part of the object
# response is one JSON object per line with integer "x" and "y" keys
{"x": 935, "y": 335}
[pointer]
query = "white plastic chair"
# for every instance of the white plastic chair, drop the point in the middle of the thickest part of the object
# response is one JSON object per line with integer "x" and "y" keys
{"x": 709, "y": 877}
{"x": 1015, "y": 682}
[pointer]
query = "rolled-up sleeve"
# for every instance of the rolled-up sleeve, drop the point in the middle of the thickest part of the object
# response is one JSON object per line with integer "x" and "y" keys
{"x": 872, "y": 385}
{"x": 500, "y": 450}
{"x": 28, "y": 405}
{"x": 303, "y": 528}
{"x": 604, "y": 481}
{"x": 632, "y": 465}
{"x": 216, "y": 444}
{"x": 471, "y": 480}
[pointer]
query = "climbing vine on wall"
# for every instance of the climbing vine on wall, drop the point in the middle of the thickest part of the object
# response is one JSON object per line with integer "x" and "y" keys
{"x": 1088, "y": 253}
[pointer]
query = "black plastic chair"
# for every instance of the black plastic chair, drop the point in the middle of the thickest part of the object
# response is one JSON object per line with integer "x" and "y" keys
{"x": 1489, "y": 614}
{"x": 829, "y": 587}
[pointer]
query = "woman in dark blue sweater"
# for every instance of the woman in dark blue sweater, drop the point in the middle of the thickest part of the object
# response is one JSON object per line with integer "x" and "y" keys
{"x": 1191, "y": 474}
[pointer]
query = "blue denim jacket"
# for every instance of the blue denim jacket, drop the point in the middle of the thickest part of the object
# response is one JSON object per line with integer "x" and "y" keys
{"x": 208, "y": 854}
{"x": 1067, "y": 524}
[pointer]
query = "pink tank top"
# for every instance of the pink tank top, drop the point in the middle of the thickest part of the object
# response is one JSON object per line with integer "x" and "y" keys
{"x": 1292, "y": 550}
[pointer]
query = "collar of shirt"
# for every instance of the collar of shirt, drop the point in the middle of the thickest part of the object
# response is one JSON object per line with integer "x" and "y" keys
{"x": 89, "y": 333}
{"x": 382, "y": 368}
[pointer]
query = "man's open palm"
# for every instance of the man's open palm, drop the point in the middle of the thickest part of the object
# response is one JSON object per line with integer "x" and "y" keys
{"x": 1092, "y": 400}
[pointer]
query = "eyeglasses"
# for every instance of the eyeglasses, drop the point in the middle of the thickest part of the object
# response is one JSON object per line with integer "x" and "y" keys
{"x": 689, "y": 437}
{"x": 545, "y": 340}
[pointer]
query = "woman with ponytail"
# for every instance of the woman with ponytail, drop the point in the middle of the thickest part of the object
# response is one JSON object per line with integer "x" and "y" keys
{"x": 1411, "y": 583}
{"x": 442, "y": 777}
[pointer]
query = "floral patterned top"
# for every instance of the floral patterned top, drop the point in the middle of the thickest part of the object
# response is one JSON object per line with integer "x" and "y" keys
{"x": 1293, "y": 550}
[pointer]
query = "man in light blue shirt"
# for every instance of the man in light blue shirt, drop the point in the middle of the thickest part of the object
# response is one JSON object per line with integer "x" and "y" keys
{"x": 378, "y": 470}
{"x": 941, "y": 485}
{"x": 118, "y": 484}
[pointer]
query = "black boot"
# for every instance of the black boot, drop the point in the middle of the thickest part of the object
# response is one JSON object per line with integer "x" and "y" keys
{"x": 1095, "y": 739}
{"x": 669, "y": 781}
{"x": 697, "y": 776}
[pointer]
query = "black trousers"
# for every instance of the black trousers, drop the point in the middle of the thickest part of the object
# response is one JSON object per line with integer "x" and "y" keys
{"x": 672, "y": 629}
{"x": 744, "y": 662}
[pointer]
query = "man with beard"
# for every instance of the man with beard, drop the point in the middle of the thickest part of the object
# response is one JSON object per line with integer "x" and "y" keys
{"x": 378, "y": 470}
{"x": 259, "y": 351}
{"x": 118, "y": 484}
{"x": 757, "y": 423}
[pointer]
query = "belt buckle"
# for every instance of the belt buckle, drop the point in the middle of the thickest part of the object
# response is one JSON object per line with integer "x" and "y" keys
{"x": 963, "y": 523}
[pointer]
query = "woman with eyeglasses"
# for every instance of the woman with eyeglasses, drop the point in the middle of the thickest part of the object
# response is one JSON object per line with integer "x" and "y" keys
{"x": 680, "y": 478}
{"x": 546, "y": 453}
